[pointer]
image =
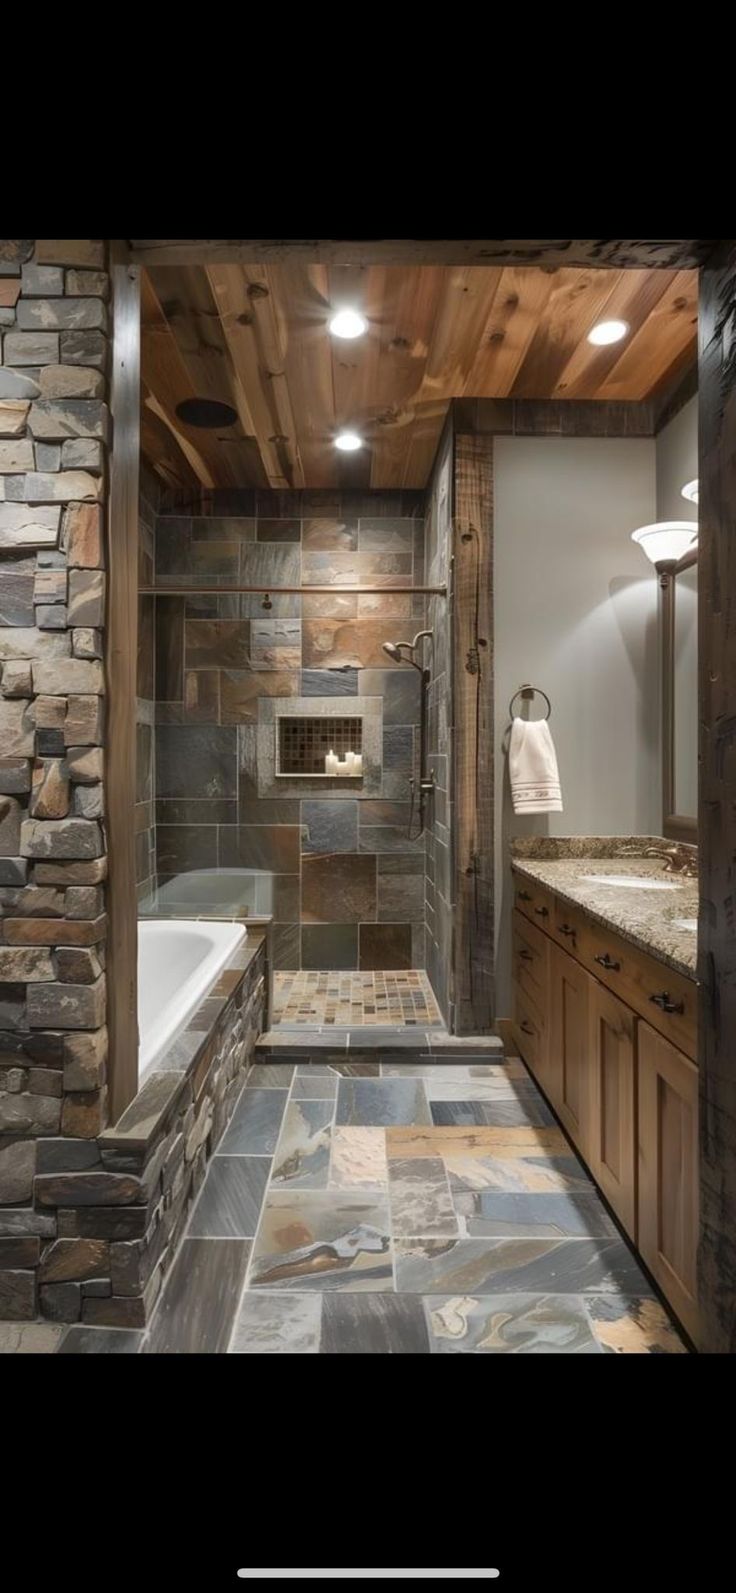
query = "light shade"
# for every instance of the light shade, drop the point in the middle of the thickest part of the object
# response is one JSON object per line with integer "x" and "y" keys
{"x": 667, "y": 540}
{"x": 690, "y": 491}
{"x": 348, "y": 323}
{"x": 348, "y": 441}
{"x": 607, "y": 332}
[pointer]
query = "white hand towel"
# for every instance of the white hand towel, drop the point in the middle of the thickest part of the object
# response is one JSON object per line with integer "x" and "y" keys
{"x": 535, "y": 780}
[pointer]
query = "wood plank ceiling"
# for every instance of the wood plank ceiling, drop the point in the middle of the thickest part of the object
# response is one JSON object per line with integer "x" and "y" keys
{"x": 256, "y": 337}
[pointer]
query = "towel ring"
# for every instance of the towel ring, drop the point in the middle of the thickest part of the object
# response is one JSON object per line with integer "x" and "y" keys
{"x": 526, "y": 692}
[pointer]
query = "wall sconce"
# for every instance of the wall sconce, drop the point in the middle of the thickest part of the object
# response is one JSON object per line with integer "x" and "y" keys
{"x": 690, "y": 491}
{"x": 665, "y": 543}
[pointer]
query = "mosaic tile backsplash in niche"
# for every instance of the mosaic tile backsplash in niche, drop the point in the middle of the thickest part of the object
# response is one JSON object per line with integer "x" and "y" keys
{"x": 349, "y": 887}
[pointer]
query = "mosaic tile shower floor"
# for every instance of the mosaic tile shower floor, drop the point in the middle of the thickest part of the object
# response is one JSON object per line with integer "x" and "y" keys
{"x": 403, "y": 998}
{"x": 375, "y": 1206}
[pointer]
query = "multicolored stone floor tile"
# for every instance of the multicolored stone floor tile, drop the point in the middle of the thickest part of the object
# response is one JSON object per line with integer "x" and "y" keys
{"x": 377, "y": 1207}
{"x": 355, "y": 1000}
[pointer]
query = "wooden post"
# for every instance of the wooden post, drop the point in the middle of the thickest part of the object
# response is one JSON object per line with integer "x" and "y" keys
{"x": 473, "y": 743}
{"x": 717, "y": 802}
{"x": 121, "y": 667}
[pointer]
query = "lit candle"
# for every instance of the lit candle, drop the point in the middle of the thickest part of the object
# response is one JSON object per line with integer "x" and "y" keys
{"x": 357, "y": 763}
{"x": 349, "y": 761}
{"x": 330, "y": 762}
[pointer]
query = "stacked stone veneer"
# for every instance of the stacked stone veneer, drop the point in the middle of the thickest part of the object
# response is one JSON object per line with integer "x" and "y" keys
{"x": 54, "y": 436}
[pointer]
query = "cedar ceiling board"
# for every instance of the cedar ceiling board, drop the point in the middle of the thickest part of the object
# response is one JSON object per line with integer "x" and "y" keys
{"x": 186, "y": 300}
{"x": 301, "y": 293}
{"x": 464, "y": 310}
{"x": 271, "y": 336}
{"x": 520, "y": 299}
{"x": 229, "y": 287}
{"x": 633, "y": 297}
{"x": 666, "y": 334}
{"x": 574, "y": 305}
{"x": 161, "y": 448}
{"x": 423, "y": 443}
{"x": 164, "y": 374}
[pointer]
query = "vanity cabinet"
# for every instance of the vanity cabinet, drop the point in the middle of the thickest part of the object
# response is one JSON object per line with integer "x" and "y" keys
{"x": 668, "y": 1170}
{"x": 609, "y": 1033}
{"x": 568, "y": 1070}
{"x": 612, "y": 1133}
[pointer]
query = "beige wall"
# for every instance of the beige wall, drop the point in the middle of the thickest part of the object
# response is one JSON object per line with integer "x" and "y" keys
{"x": 576, "y": 613}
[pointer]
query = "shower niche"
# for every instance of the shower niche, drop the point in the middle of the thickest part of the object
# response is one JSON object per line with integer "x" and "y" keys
{"x": 308, "y": 744}
{"x": 312, "y": 746}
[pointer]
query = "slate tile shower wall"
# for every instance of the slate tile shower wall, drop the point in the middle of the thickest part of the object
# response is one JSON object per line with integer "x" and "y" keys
{"x": 54, "y": 433}
{"x": 349, "y": 880}
{"x": 145, "y": 833}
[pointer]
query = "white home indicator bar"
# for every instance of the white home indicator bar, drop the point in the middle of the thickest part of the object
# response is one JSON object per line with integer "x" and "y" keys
{"x": 446, "y": 1574}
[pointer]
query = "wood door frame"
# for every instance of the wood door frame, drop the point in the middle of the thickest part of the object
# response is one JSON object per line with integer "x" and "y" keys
{"x": 716, "y": 261}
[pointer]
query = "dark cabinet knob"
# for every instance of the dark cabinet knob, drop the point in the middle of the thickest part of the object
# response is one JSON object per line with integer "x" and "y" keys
{"x": 542, "y": 911}
{"x": 525, "y": 1027}
{"x": 666, "y": 1004}
{"x": 566, "y": 930}
{"x": 527, "y": 955}
{"x": 609, "y": 962}
{"x": 524, "y": 896}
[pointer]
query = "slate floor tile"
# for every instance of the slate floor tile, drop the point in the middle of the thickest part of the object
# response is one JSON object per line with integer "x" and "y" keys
{"x": 277, "y": 1324}
{"x": 196, "y": 1311}
{"x": 526, "y": 1266}
{"x": 271, "y": 1075}
{"x": 501, "y": 1214}
{"x": 419, "y": 1198}
{"x": 80, "y": 1340}
{"x": 627, "y": 1326}
{"x": 514, "y": 1112}
{"x": 230, "y": 1200}
{"x": 358, "y": 1159}
{"x": 375, "y": 1103}
{"x": 255, "y": 1123}
{"x": 302, "y": 1155}
{"x": 510, "y": 1324}
{"x": 314, "y": 1240}
{"x": 373, "y": 1324}
{"x": 314, "y": 1088}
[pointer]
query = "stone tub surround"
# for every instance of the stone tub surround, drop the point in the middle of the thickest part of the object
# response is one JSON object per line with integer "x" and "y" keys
{"x": 225, "y": 667}
{"x": 646, "y": 918}
{"x": 54, "y": 434}
{"x": 120, "y": 1203}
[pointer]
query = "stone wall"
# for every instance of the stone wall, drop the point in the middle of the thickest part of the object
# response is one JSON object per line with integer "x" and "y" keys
{"x": 54, "y": 434}
{"x": 121, "y": 1211}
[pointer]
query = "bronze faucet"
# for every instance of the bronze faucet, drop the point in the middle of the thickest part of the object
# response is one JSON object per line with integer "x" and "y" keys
{"x": 678, "y": 859}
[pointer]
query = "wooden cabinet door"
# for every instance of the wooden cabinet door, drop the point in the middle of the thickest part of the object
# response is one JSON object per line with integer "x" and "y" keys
{"x": 569, "y": 1046}
{"x": 668, "y": 1171}
{"x": 612, "y": 1140}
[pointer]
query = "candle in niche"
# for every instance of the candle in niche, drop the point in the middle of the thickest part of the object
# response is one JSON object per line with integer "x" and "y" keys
{"x": 357, "y": 768}
{"x": 330, "y": 762}
{"x": 350, "y": 762}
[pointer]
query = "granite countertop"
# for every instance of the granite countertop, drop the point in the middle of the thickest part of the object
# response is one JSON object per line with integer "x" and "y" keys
{"x": 645, "y": 917}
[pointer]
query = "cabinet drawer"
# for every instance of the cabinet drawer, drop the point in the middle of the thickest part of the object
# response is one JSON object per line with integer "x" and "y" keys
{"x": 569, "y": 928}
{"x": 664, "y": 998}
{"x": 533, "y": 901}
{"x": 668, "y": 1171}
{"x": 530, "y": 960}
{"x": 529, "y": 1030}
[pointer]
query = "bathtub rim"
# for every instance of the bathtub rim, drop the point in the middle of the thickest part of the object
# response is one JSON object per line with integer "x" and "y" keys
{"x": 199, "y": 984}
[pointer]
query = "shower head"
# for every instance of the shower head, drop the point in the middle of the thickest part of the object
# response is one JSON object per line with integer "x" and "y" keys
{"x": 394, "y": 650}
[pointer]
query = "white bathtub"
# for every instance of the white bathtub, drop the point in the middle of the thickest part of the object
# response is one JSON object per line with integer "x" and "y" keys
{"x": 178, "y": 961}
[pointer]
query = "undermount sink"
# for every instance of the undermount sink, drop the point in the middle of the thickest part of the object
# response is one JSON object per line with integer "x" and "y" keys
{"x": 690, "y": 924}
{"x": 638, "y": 882}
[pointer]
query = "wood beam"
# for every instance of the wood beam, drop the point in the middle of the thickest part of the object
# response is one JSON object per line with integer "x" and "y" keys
{"x": 669, "y": 254}
{"x": 717, "y": 804}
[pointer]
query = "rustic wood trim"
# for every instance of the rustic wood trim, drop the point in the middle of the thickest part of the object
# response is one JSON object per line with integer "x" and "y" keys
{"x": 717, "y": 809}
{"x": 675, "y": 826}
{"x": 669, "y": 254}
{"x": 120, "y": 661}
{"x": 473, "y": 734}
{"x": 675, "y": 399}
{"x": 555, "y": 417}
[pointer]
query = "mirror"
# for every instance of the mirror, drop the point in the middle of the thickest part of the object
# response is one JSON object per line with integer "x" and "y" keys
{"x": 680, "y": 700}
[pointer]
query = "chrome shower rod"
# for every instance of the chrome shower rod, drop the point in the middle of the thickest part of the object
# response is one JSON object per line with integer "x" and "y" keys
{"x": 276, "y": 591}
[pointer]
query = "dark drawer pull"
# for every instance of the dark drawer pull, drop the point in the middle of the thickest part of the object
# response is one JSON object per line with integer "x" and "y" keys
{"x": 524, "y": 896}
{"x": 566, "y": 930}
{"x": 666, "y": 1004}
{"x": 526, "y": 1028}
{"x": 527, "y": 955}
{"x": 542, "y": 911}
{"x": 610, "y": 963}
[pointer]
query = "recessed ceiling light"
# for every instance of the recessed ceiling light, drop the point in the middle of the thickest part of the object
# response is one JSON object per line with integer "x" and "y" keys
{"x": 608, "y": 332}
{"x": 348, "y": 323}
{"x": 348, "y": 441}
{"x": 690, "y": 491}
